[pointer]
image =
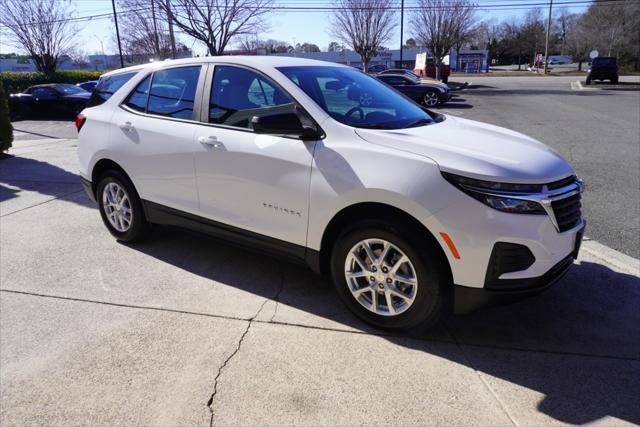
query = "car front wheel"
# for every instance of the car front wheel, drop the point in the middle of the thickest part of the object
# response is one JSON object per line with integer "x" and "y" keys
{"x": 120, "y": 208}
{"x": 430, "y": 99}
{"x": 386, "y": 280}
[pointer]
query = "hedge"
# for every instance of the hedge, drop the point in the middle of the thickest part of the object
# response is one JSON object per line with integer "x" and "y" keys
{"x": 17, "y": 82}
{"x": 6, "y": 130}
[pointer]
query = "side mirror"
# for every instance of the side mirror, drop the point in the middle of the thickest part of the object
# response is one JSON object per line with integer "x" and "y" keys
{"x": 284, "y": 124}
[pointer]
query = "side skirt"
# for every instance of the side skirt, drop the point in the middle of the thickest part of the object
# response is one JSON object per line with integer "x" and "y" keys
{"x": 160, "y": 214}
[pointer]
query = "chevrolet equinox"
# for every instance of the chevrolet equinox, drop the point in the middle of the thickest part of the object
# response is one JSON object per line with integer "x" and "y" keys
{"x": 410, "y": 212}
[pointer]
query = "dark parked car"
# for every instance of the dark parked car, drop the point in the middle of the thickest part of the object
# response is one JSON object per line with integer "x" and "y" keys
{"x": 427, "y": 94}
{"x": 48, "y": 100}
{"x": 400, "y": 71}
{"x": 377, "y": 68}
{"x": 603, "y": 68}
{"x": 88, "y": 86}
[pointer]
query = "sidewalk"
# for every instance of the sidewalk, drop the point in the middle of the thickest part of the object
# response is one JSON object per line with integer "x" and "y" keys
{"x": 187, "y": 330}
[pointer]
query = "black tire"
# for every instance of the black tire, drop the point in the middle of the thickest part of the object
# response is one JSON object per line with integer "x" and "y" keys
{"x": 614, "y": 80}
{"x": 587, "y": 81}
{"x": 429, "y": 271}
{"x": 139, "y": 227}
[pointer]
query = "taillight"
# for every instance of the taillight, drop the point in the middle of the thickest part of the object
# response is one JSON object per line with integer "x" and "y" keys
{"x": 80, "y": 119}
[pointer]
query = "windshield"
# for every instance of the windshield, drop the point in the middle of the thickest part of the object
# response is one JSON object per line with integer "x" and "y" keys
{"x": 604, "y": 61}
{"x": 70, "y": 89}
{"x": 356, "y": 99}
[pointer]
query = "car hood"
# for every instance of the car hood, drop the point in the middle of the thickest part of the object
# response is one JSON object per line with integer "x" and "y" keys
{"x": 78, "y": 96}
{"x": 432, "y": 82}
{"x": 476, "y": 150}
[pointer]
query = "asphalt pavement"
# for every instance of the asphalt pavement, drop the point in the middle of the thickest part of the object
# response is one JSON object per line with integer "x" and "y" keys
{"x": 186, "y": 330}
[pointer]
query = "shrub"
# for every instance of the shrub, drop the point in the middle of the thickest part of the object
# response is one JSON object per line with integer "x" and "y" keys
{"x": 17, "y": 82}
{"x": 6, "y": 130}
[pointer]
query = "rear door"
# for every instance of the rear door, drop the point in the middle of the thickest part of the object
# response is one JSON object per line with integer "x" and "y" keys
{"x": 154, "y": 131}
{"x": 256, "y": 183}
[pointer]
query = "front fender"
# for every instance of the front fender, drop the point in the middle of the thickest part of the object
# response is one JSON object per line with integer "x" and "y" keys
{"x": 347, "y": 174}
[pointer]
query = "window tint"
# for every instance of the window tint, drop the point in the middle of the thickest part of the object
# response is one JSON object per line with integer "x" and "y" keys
{"x": 238, "y": 94}
{"x": 137, "y": 100}
{"x": 357, "y": 99}
{"x": 173, "y": 92}
{"x": 107, "y": 86}
{"x": 69, "y": 89}
{"x": 393, "y": 80}
{"x": 44, "y": 93}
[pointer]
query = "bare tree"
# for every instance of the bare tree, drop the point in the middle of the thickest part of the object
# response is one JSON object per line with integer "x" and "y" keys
{"x": 442, "y": 24}
{"x": 40, "y": 27}
{"x": 144, "y": 29}
{"x": 364, "y": 25}
{"x": 578, "y": 40}
{"x": 216, "y": 22}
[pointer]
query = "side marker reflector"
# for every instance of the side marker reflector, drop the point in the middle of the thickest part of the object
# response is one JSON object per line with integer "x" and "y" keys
{"x": 449, "y": 243}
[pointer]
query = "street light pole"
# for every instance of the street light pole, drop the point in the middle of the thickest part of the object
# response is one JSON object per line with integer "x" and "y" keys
{"x": 115, "y": 20}
{"x": 401, "y": 29}
{"x": 546, "y": 44}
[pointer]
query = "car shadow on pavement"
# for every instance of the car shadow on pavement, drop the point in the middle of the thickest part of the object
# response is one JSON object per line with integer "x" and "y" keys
{"x": 26, "y": 174}
{"x": 577, "y": 344}
{"x": 456, "y": 103}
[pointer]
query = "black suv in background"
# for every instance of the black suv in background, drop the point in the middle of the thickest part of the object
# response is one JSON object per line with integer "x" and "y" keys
{"x": 603, "y": 68}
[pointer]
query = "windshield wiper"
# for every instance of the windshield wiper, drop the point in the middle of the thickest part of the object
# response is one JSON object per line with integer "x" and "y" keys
{"x": 376, "y": 126}
{"x": 419, "y": 122}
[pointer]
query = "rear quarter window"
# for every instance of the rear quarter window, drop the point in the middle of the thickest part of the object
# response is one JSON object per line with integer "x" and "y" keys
{"x": 107, "y": 86}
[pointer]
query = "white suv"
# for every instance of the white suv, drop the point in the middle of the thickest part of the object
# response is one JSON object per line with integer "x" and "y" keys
{"x": 409, "y": 211}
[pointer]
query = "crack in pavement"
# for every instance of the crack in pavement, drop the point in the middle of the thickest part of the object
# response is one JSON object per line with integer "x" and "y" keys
{"x": 277, "y": 297}
{"x": 228, "y": 359}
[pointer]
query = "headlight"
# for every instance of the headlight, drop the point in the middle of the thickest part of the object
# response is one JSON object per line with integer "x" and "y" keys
{"x": 504, "y": 197}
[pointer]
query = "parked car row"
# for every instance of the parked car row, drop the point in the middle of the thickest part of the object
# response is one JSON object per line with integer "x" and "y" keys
{"x": 50, "y": 100}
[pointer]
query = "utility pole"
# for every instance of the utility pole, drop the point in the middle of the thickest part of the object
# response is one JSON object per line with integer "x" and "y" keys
{"x": 115, "y": 20}
{"x": 401, "y": 29}
{"x": 172, "y": 37}
{"x": 156, "y": 42}
{"x": 546, "y": 43}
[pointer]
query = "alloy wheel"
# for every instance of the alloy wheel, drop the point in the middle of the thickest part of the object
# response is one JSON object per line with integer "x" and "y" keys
{"x": 431, "y": 99}
{"x": 117, "y": 206}
{"x": 381, "y": 277}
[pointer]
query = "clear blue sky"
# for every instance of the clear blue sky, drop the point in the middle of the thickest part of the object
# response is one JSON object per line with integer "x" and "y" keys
{"x": 289, "y": 26}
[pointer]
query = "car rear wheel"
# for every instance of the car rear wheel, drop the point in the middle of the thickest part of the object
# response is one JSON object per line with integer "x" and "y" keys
{"x": 430, "y": 98}
{"x": 386, "y": 279}
{"x": 120, "y": 208}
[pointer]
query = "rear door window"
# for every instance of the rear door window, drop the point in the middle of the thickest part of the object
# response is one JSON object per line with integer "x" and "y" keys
{"x": 107, "y": 86}
{"x": 173, "y": 92}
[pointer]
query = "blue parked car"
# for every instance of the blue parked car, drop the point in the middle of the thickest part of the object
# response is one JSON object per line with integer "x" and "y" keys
{"x": 88, "y": 86}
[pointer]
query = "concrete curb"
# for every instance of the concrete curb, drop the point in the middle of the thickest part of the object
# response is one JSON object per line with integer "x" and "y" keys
{"x": 619, "y": 261}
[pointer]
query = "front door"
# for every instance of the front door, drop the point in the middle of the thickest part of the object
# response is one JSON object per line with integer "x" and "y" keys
{"x": 258, "y": 183}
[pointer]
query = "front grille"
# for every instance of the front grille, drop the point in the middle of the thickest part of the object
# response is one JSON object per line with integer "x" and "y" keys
{"x": 562, "y": 183}
{"x": 567, "y": 212}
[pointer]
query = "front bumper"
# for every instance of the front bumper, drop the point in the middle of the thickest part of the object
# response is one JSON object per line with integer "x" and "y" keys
{"x": 444, "y": 97}
{"x": 467, "y": 299}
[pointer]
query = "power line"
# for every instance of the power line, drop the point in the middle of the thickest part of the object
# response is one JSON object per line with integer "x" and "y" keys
{"x": 291, "y": 6}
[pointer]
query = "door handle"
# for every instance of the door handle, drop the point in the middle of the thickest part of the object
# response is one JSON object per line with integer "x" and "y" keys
{"x": 210, "y": 141}
{"x": 126, "y": 126}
